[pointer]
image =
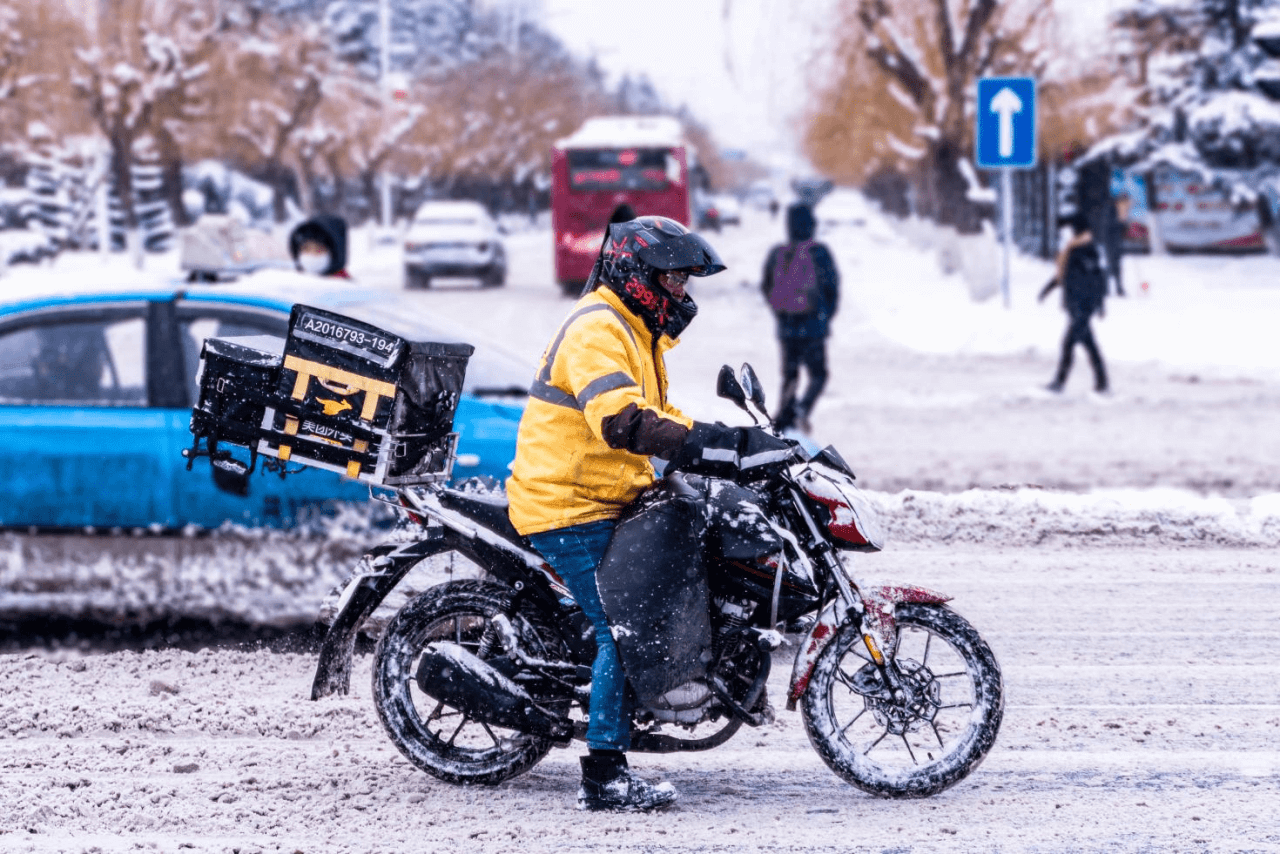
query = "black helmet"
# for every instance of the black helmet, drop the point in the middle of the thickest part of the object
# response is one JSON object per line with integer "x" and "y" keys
{"x": 647, "y": 244}
{"x": 636, "y": 251}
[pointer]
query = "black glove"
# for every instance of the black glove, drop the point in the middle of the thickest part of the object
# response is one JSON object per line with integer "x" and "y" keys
{"x": 719, "y": 451}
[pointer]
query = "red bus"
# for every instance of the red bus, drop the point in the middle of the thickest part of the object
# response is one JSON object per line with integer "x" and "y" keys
{"x": 611, "y": 160}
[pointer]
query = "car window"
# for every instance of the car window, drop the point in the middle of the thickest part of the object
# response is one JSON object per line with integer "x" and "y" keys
{"x": 94, "y": 362}
{"x": 195, "y": 329}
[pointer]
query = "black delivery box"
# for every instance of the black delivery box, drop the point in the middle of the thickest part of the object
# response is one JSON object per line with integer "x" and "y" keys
{"x": 337, "y": 393}
{"x": 237, "y": 383}
{"x": 356, "y": 399}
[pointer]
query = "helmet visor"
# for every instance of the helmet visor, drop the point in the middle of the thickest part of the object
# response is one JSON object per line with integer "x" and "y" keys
{"x": 686, "y": 252}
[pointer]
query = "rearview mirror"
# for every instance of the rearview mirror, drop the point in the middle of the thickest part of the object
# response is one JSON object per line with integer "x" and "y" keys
{"x": 751, "y": 382}
{"x": 727, "y": 386}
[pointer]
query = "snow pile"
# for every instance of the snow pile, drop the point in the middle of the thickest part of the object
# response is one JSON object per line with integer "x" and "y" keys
{"x": 255, "y": 577}
{"x": 292, "y": 578}
{"x": 1030, "y": 516}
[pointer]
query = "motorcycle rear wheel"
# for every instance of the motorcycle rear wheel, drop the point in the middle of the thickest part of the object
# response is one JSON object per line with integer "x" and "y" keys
{"x": 913, "y": 749}
{"x": 441, "y": 740}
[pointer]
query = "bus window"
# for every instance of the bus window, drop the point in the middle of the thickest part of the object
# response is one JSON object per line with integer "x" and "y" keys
{"x": 594, "y": 170}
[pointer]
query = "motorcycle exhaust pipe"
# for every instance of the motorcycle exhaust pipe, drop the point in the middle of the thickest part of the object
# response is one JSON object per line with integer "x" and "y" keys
{"x": 458, "y": 678}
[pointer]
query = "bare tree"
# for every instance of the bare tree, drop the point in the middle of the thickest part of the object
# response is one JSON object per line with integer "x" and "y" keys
{"x": 13, "y": 50}
{"x": 497, "y": 123}
{"x": 36, "y": 45}
{"x": 138, "y": 78}
{"x": 927, "y": 57}
{"x": 373, "y": 133}
{"x": 1148, "y": 30}
{"x": 270, "y": 83}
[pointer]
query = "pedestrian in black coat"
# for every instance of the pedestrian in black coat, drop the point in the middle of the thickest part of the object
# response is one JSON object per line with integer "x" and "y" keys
{"x": 1117, "y": 226}
{"x": 1084, "y": 288}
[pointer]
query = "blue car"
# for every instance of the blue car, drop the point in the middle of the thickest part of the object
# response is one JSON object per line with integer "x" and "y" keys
{"x": 95, "y": 406}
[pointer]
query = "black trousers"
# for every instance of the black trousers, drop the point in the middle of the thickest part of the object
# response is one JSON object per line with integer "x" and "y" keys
{"x": 811, "y": 353}
{"x": 1080, "y": 332}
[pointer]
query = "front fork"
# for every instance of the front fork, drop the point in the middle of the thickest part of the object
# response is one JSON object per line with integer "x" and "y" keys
{"x": 871, "y": 609}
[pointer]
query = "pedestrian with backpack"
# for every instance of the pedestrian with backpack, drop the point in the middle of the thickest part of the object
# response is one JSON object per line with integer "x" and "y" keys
{"x": 803, "y": 289}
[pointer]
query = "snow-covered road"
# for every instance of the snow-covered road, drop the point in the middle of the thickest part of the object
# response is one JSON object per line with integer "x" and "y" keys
{"x": 1142, "y": 715}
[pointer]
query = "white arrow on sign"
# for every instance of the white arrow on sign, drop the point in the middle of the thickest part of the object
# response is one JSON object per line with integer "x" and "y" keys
{"x": 1005, "y": 104}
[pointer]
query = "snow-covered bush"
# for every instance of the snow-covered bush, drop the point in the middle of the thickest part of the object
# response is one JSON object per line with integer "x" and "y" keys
{"x": 1213, "y": 109}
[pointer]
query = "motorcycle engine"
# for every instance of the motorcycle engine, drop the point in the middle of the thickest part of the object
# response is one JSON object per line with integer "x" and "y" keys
{"x": 683, "y": 704}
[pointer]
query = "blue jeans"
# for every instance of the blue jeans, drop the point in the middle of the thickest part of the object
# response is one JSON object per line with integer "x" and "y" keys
{"x": 575, "y": 553}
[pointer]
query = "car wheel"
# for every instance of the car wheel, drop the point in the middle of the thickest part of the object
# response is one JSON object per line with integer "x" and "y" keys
{"x": 416, "y": 279}
{"x": 494, "y": 278}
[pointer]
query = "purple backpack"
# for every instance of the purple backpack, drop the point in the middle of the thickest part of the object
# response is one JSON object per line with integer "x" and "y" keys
{"x": 795, "y": 280}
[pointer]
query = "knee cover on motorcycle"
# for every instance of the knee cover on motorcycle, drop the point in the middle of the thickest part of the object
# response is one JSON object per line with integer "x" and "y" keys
{"x": 654, "y": 589}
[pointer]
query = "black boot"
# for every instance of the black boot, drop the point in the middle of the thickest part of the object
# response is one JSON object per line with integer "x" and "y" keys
{"x": 608, "y": 784}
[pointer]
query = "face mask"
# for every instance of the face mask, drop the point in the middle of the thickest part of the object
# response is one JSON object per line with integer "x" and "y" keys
{"x": 314, "y": 262}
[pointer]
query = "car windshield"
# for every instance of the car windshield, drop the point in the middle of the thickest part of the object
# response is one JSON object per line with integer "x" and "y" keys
{"x": 491, "y": 371}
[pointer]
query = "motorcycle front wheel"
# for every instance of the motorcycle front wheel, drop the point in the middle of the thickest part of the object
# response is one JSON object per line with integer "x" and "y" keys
{"x": 439, "y": 739}
{"x": 918, "y": 745}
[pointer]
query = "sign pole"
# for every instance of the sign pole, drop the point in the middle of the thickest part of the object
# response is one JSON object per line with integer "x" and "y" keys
{"x": 1004, "y": 139}
{"x": 384, "y": 83}
{"x": 1006, "y": 214}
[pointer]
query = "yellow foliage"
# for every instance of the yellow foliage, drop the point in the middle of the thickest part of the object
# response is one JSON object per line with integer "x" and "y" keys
{"x": 903, "y": 85}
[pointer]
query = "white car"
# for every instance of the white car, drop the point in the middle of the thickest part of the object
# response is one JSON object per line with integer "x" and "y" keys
{"x": 761, "y": 195}
{"x": 842, "y": 208}
{"x": 730, "y": 209}
{"x": 454, "y": 238}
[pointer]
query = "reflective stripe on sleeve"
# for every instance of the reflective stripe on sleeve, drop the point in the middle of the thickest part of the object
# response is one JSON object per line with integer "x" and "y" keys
{"x": 597, "y": 387}
{"x": 543, "y": 390}
{"x": 550, "y": 394}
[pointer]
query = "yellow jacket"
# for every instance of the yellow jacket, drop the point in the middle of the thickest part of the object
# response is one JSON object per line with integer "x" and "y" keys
{"x": 597, "y": 411}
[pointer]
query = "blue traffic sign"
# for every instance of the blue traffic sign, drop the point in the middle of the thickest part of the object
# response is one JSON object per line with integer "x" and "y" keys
{"x": 1006, "y": 131}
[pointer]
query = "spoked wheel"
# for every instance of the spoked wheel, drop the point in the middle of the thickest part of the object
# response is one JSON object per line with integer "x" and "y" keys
{"x": 918, "y": 745}
{"x": 439, "y": 739}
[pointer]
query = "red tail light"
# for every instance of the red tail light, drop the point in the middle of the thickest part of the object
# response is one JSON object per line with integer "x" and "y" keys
{"x": 414, "y": 516}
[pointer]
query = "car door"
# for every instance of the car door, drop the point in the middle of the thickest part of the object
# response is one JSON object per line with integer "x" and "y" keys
{"x": 270, "y": 499}
{"x": 82, "y": 446}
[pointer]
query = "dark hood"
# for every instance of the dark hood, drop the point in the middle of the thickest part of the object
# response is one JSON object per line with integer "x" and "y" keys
{"x": 327, "y": 230}
{"x": 800, "y": 223}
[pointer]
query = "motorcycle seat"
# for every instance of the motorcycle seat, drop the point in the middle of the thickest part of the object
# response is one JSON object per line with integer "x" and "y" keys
{"x": 487, "y": 510}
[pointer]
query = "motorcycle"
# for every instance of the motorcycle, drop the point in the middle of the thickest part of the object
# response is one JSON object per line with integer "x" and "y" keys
{"x": 476, "y": 680}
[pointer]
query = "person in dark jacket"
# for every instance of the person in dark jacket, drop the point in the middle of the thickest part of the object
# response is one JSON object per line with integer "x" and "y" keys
{"x": 1117, "y": 227}
{"x": 319, "y": 246}
{"x": 1084, "y": 287}
{"x": 622, "y": 213}
{"x": 802, "y": 286}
